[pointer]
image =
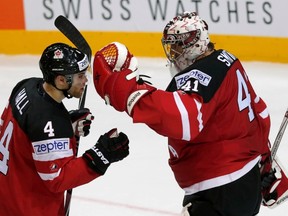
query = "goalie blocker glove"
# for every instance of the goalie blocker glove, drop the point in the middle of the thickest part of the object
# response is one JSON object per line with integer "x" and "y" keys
{"x": 274, "y": 184}
{"x": 122, "y": 89}
{"x": 110, "y": 147}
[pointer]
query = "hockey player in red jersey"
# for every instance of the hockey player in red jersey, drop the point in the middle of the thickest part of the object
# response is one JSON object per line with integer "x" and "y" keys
{"x": 37, "y": 149}
{"x": 216, "y": 124}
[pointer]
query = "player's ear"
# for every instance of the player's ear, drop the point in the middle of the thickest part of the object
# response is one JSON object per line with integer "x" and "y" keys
{"x": 60, "y": 81}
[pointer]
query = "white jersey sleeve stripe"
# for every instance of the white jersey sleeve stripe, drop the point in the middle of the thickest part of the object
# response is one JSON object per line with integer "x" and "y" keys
{"x": 184, "y": 117}
{"x": 199, "y": 117}
{"x": 52, "y": 156}
{"x": 50, "y": 176}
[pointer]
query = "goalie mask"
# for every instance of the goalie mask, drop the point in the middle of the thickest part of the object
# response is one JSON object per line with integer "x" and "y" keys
{"x": 185, "y": 38}
{"x": 62, "y": 59}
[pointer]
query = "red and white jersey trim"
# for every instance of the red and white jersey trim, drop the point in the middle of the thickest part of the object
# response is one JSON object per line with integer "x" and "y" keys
{"x": 221, "y": 180}
{"x": 49, "y": 176}
{"x": 184, "y": 117}
{"x": 264, "y": 114}
{"x": 53, "y": 156}
{"x": 199, "y": 116}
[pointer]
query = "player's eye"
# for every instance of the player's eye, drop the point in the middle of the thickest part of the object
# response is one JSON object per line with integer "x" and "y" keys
{"x": 82, "y": 75}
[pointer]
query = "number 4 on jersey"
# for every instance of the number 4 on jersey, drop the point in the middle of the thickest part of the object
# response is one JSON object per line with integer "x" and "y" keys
{"x": 49, "y": 129}
{"x": 4, "y": 146}
{"x": 244, "y": 97}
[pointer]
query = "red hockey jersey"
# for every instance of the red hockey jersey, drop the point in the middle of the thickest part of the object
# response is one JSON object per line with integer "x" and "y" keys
{"x": 217, "y": 127}
{"x": 37, "y": 154}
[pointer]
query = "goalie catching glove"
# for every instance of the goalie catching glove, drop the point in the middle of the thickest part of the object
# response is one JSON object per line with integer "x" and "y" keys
{"x": 110, "y": 147}
{"x": 121, "y": 86}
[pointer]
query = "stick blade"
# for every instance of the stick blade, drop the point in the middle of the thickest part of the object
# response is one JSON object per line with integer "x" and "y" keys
{"x": 73, "y": 34}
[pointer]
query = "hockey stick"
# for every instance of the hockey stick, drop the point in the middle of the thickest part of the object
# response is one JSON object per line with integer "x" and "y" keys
{"x": 72, "y": 33}
{"x": 279, "y": 135}
{"x": 273, "y": 153}
{"x": 277, "y": 141}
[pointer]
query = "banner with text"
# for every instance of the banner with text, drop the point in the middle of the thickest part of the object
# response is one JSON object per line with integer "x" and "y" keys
{"x": 229, "y": 17}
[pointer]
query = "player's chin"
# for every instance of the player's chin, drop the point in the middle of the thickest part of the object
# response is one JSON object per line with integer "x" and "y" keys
{"x": 78, "y": 94}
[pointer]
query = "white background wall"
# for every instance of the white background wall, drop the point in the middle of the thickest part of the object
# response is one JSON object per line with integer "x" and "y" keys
{"x": 228, "y": 17}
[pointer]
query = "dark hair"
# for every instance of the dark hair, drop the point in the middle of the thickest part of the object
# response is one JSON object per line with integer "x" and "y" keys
{"x": 211, "y": 46}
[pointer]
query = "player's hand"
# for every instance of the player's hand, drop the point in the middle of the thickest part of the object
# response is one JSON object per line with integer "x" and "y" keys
{"x": 274, "y": 185}
{"x": 110, "y": 147}
{"x": 185, "y": 211}
{"x": 269, "y": 183}
{"x": 81, "y": 121}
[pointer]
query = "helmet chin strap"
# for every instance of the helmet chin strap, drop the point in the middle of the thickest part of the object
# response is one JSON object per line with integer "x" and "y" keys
{"x": 69, "y": 80}
{"x": 66, "y": 94}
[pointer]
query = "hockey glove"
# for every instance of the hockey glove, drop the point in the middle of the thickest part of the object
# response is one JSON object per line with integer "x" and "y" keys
{"x": 110, "y": 147}
{"x": 122, "y": 89}
{"x": 185, "y": 211}
{"x": 274, "y": 186}
{"x": 81, "y": 121}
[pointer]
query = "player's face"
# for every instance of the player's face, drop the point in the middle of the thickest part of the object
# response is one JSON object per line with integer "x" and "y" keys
{"x": 78, "y": 84}
{"x": 173, "y": 51}
{"x": 176, "y": 51}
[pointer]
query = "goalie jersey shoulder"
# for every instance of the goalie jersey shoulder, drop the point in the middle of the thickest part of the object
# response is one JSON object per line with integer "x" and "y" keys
{"x": 205, "y": 76}
{"x": 37, "y": 114}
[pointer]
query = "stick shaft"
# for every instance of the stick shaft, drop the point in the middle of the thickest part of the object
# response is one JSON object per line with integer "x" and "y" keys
{"x": 74, "y": 35}
{"x": 279, "y": 135}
